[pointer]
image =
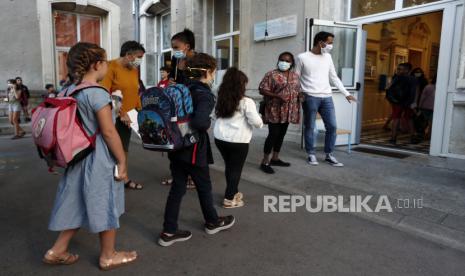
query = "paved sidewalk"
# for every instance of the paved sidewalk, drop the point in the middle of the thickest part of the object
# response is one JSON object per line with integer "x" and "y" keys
{"x": 438, "y": 182}
{"x": 260, "y": 243}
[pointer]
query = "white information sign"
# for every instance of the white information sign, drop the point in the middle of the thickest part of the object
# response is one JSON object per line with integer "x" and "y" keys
{"x": 277, "y": 28}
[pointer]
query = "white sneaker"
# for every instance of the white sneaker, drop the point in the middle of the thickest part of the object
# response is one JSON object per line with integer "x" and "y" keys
{"x": 333, "y": 161}
{"x": 312, "y": 160}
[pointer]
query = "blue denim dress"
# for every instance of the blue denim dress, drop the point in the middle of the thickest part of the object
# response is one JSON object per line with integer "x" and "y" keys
{"x": 88, "y": 196}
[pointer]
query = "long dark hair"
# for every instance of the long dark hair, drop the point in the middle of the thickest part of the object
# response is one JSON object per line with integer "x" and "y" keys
{"x": 230, "y": 93}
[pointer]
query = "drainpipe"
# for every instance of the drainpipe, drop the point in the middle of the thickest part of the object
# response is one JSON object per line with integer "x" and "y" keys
{"x": 137, "y": 20}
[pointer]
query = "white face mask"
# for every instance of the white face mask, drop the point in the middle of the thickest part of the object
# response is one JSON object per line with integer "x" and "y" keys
{"x": 179, "y": 54}
{"x": 136, "y": 63}
{"x": 418, "y": 75}
{"x": 327, "y": 49}
{"x": 284, "y": 65}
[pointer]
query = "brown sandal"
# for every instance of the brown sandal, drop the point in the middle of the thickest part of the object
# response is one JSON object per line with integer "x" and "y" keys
{"x": 131, "y": 185}
{"x": 110, "y": 264}
{"x": 52, "y": 259}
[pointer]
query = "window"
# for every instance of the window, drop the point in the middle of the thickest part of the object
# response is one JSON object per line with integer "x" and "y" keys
{"x": 360, "y": 8}
{"x": 411, "y": 3}
{"x": 345, "y": 51}
{"x": 226, "y": 33}
{"x": 156, "y": 35}
{"x": 148, "y": 35}
{"x": 71, "y": 28}
{"x": 164, "y": 55}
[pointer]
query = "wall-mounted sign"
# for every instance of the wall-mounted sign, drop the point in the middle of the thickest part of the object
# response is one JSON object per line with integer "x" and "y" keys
{"x": 276, "y": 28}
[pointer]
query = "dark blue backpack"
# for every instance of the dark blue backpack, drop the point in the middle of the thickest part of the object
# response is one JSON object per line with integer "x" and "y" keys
{"x": 164, "y": 118}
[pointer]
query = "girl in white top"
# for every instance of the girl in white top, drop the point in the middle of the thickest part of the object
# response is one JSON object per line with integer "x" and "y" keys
{"x": 236, "y": 117}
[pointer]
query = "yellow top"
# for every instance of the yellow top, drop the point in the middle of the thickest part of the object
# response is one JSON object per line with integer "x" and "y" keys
{"x": 126, "y": 80}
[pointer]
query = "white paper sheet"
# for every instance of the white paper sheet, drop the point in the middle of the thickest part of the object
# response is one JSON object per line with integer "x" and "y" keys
{"x": 134, "y": 125}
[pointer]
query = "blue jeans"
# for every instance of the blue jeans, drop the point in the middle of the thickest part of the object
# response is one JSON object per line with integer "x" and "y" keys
{"x": 325, "y": 106}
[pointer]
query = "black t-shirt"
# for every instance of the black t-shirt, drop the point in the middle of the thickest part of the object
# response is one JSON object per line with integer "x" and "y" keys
{"x": 402, "y": 91}
{"x": 178, "y": 76}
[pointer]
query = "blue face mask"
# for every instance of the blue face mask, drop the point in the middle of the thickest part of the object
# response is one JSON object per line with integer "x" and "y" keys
{"x": 179, "y": 54}
{"x": 284, "y": 65}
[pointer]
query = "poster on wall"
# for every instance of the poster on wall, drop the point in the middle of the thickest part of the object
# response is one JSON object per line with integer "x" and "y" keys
{"x": 276, "y": 28}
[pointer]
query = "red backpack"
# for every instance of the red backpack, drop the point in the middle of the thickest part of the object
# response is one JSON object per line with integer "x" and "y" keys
{"x": 58, "y": 131}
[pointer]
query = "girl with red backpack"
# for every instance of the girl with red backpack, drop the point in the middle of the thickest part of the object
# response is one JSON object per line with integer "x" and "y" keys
{"x": 91, "y": 193}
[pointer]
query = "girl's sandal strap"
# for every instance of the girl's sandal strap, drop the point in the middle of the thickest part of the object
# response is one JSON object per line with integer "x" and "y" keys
{"x": 131, "y": 185}
{"x": 110, "y": 264}
{"x": 190, "y": 184}
{"x": 167, "y": 181}
{"x": 52, "y": 259}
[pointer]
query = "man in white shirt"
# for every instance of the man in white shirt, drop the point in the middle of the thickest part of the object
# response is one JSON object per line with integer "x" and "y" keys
{"x": 316, "y": 70}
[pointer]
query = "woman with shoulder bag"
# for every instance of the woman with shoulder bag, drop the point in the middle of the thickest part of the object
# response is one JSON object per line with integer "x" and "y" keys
{"x": 281, "y": 90}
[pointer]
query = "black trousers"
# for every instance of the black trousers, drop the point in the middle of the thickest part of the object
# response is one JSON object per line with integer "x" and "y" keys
{"x": 124, "y": 133}
{"x": 201, "y": 176}
{"x": 234, "y": 155}
{"x": 275, "y": 138}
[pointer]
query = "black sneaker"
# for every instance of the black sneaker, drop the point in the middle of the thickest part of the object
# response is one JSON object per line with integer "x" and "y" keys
{"x": 279, "y": 163}
{"x": 333, "y": 161}
{"x": 393, "y": 141}
{"x": 179, "y": 236}
{"x": 266, "y": 168}
{"x": 223, "y": 223}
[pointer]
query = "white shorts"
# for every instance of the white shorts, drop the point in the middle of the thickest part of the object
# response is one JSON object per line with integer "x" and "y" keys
{"x": 14, "y": 107}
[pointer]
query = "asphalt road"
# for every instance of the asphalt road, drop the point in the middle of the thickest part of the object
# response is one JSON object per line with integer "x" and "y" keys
{"x": 260, "y": 243}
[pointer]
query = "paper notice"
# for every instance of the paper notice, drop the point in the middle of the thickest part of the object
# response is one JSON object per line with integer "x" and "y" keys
{"x": 134, "y": 125}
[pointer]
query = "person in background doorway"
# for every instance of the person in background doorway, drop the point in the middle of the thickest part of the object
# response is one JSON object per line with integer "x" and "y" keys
{"x": 51, "y": 92}
{"x": 14, "y": 108}
{"x": 164, "y": 75}
{"x": 281, "y": 91}
{"x": 419, "y": 121}
{"x": 236, "y": 117}
{"x": 426, "y": 105}
{"x": 422, "y": 82}
{"x": 401, "y": 94}
{"x": 316, "y": 70}
{"x": 25, "y": 95}
{"x": 123, "y": 75}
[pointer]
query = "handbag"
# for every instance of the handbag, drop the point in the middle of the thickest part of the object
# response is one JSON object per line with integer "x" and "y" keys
{"x": 261, "y": 107}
